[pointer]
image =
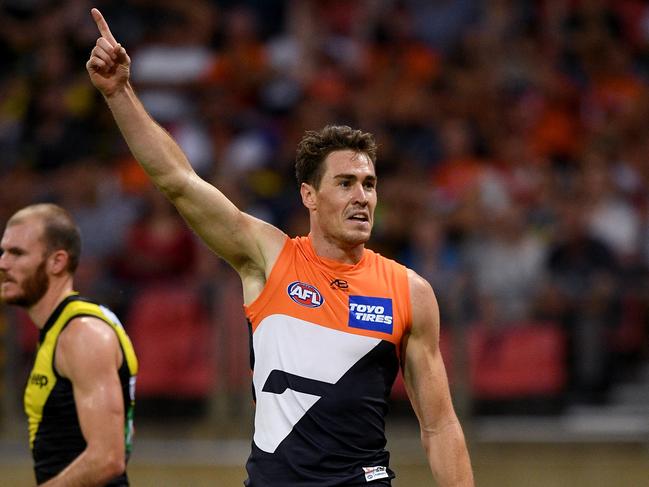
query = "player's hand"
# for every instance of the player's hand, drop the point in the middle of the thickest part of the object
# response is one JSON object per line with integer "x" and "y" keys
{"x": 109, "y": 65}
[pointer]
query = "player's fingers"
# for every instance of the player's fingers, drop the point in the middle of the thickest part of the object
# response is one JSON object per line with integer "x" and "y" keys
{"x": 103, "y": 55}
{"x": 120, "y": 55}
{"x": 107, "y": 47}
{"x": 102, "y": 25}
{"x": 96, "y": 64}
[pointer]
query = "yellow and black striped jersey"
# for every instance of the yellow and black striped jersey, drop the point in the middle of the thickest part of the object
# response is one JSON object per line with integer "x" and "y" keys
{"x": 55, "y": 436}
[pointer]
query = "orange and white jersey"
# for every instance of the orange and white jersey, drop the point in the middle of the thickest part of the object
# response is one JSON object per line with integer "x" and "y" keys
{"x": 326, "y": 339}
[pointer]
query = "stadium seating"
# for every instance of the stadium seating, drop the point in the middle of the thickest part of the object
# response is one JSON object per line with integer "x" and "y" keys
{"x": 173, "y": 341}
{"x": 518, "y": 361}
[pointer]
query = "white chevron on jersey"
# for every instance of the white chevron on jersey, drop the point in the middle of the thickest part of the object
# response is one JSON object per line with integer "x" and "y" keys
{"x": 304, "y": 349}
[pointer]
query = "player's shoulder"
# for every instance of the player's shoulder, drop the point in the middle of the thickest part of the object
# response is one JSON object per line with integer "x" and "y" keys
{"x": 87, "y": 334}
{"x": 85, "y": 342}
{"x": 420, "y": 289}
{"x": 425, "y": 309}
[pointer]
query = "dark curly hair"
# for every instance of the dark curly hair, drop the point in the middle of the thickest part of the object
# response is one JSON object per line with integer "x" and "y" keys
{"x": 315, "y": 146}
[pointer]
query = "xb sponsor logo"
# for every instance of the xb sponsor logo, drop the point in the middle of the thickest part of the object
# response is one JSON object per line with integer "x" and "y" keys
{"x": 339, "y": 284}
{"x": 39, "y": 380}
{"x": 305, "y": 294}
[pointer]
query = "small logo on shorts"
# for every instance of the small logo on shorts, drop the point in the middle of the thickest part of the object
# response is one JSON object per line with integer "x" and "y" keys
{"x": 305, "y": 294}
{"x": 374, "y": 473}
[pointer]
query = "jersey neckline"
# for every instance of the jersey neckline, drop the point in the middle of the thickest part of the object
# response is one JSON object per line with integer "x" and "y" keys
{"x": 55, "y": 314}
{"x": 333, "y": 264}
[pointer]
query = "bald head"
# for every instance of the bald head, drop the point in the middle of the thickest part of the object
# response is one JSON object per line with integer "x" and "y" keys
{"x": 59, "y": 232}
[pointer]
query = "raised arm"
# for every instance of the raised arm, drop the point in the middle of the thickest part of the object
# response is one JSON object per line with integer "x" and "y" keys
{"x": 427, "y": 386}
{"x": 247, "y": 243}
{"x": 88, "y": 354}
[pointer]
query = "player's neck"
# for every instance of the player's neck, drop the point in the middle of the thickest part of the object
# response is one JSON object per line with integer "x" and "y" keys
{"x": 329, "y": 248}
{"x": 56, "y": 292}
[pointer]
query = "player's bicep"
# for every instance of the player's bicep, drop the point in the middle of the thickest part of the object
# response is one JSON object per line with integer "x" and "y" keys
{"x": 424, "y": 371}
{"x": 88, "y": 354}
{"x": 237, "y": 237}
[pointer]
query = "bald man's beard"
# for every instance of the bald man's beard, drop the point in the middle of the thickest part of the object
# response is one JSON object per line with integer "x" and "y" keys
{"x": 33, "y": 289}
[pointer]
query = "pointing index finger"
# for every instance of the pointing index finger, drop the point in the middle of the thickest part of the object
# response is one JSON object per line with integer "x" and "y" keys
{"x": 102, "y": 25}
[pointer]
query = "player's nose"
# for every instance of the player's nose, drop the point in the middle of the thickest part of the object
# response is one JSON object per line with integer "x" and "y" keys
{"x": 359, "y": 195}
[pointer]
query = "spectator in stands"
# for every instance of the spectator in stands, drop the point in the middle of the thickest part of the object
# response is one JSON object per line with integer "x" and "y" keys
{"x": 583, "y": 275}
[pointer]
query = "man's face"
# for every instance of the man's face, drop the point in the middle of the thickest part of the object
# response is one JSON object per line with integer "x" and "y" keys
{"x": 346, "y": 199}
{"x": 23, "y": 278}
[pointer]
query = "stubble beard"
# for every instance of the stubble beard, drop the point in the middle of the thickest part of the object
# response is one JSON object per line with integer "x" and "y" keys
{"x": 33, "y": 289}
{"x": 352, "y": 239}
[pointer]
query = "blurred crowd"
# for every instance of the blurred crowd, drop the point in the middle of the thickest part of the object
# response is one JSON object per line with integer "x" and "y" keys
{"x": 513, "y": 146}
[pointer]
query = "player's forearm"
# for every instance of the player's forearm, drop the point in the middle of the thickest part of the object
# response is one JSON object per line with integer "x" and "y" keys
{"x": 89, "y": 470}
{"x": 448, "y": 456}
{"x": 153, "y": 147}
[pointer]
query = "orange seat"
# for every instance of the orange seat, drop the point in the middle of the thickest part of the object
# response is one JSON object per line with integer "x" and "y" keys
{"x": 523, "y": 360}
{"x": 173, "y": 341}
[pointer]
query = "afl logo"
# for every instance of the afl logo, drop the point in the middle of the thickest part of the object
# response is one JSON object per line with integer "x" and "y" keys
{"x": 305, "y": 294}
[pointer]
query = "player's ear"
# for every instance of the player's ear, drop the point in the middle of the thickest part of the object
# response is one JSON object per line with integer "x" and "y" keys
{"x": 57, "y": 261}
{"x": 308, "y": 194}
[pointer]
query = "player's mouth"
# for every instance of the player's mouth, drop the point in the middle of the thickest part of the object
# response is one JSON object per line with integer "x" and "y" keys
{"x": 361, "y": 216}
{"x": 5, "y": 279}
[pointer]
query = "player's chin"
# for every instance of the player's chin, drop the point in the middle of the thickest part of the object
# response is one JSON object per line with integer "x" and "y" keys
{"x": 5, "y": 287}
{"x": 8, "y": 297}
{"x": 358, "y": 236}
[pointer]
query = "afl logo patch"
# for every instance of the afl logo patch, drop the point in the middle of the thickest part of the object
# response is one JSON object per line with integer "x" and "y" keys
{"x": 305, "y": 294}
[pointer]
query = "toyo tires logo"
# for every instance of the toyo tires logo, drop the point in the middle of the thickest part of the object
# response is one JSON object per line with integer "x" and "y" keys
{"x": 305, "y": 294}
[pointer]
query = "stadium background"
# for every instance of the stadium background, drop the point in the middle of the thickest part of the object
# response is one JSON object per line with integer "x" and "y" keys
{"x": 514, "y": 175}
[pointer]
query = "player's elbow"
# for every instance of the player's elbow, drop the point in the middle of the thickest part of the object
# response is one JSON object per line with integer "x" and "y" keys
{"x": 177, "y": 183}
{"x": 113, "y": 465}
{"x": 107, "y": 464}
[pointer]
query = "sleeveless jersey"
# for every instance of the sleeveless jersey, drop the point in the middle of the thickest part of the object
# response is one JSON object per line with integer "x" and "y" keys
{"x": 325, "y": 347}
{"x": 55, "y": 436}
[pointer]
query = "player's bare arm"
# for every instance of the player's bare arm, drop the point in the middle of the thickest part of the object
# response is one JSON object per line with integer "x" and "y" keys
{"x": 427, "y": 386}
{"x": 88, "y": 354}
{"x": 247, "y": 243}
